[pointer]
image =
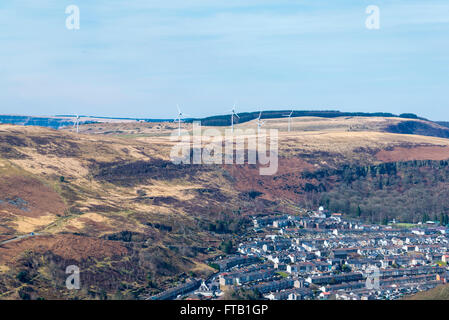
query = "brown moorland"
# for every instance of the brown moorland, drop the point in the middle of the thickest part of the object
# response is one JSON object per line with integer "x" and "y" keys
{"x": 111, "y": 199}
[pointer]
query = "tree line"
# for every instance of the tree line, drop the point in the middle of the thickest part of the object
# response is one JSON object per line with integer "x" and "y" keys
{"x": 409, "y": 191}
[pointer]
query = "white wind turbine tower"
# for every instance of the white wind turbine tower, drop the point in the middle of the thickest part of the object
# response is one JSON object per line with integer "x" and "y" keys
{"x": 289, "y": 120}
{"x": 259, "y": 123}
{"x": 179, "y": 119}
{"x": 232, "y": 117}
{"x": 77, "y": 123}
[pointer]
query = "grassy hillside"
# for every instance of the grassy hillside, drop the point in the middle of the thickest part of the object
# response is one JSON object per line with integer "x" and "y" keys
{"x": 225, "y": 120}
{"x": 109, "y": 200}
{"x": 438, "y": 293}
{"x": 110, "y": 206}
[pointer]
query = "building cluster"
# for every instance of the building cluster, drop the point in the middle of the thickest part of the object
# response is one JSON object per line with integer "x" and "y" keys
{"x": 324, "y": 256}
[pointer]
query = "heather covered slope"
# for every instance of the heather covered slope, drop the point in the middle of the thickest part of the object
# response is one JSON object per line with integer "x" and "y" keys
{"x": 78, "y": 192}
{"x": 110, "y": 201}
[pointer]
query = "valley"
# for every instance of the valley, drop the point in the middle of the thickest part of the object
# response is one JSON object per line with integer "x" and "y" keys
{"x": 110, "y": 201}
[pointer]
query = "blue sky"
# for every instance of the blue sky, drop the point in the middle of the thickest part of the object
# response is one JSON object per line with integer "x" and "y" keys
{"x": 140, "y": 58}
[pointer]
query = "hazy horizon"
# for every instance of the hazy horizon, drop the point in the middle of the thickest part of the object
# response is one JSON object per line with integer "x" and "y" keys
{"x": 192, "y": 117}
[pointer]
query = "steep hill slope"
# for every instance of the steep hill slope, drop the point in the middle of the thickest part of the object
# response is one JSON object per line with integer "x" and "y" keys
{"x": 438, "y": 293}
{"x": 145, "y": 218}
{"x": 110, "y": 201}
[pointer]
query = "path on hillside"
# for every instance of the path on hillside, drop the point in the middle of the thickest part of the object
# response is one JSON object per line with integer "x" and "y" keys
{"x": 19, "y": 238}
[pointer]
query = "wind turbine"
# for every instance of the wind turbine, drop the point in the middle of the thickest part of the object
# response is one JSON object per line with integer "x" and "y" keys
{"x": 232, "y": 117}
{"x": 77, "y": 123}
{"x": 179, "y": 119}
{"x": 289, "y": 120}
{"x": 259, "y": 123}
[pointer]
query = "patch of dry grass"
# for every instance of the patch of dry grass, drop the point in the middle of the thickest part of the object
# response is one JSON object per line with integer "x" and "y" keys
{"x": 30, "y": 224}
{"x": 4, "y": 269}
